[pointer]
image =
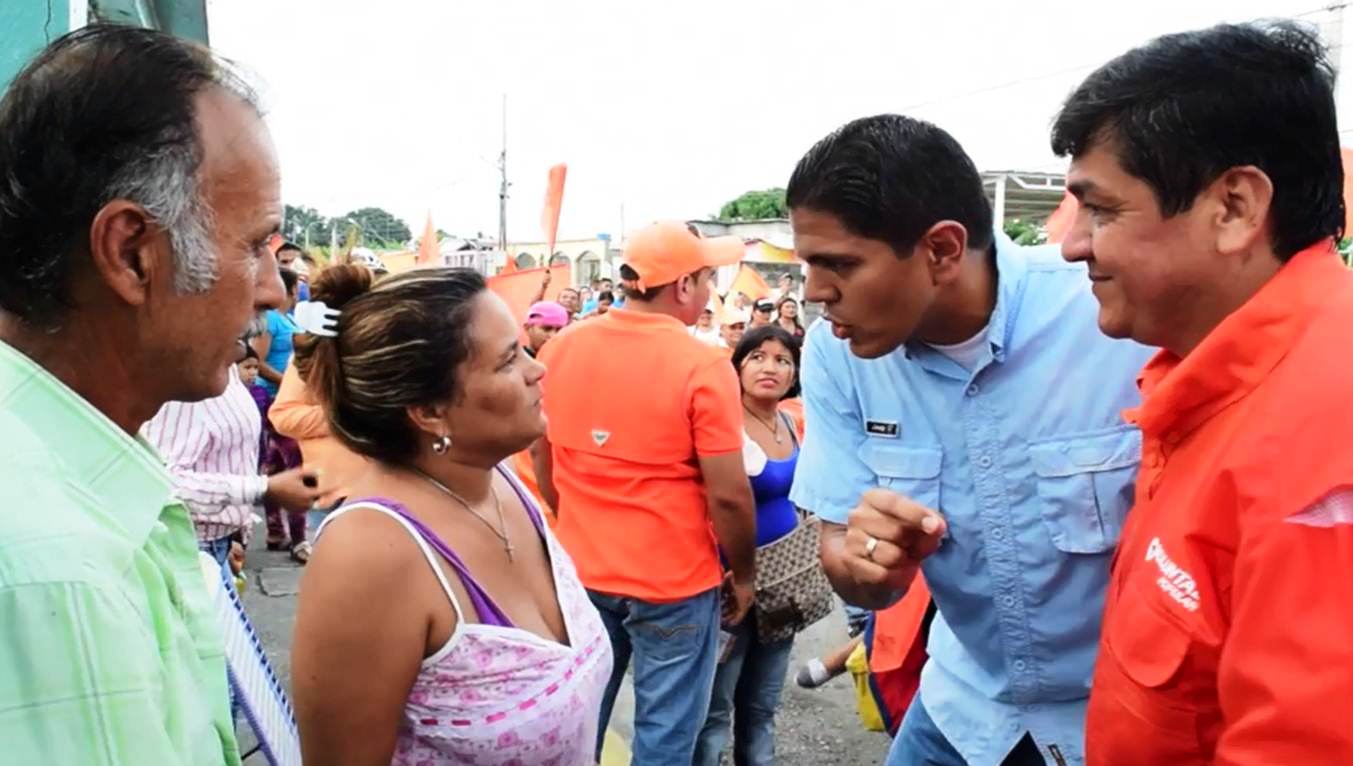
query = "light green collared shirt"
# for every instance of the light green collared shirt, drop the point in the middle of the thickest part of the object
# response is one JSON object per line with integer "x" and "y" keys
{"x": 108, "y": 653}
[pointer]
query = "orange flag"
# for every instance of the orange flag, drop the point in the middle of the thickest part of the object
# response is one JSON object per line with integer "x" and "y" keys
{"x": 509, "y": 266}
{"x": 749, "y": 283}
{"x": 554, "y": 200}
{"x": 1059, "y": 223}
{"x": 519, "y": 287}
{"x": 428, "y": 251}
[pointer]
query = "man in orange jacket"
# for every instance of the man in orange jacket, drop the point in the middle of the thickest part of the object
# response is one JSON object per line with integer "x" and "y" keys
{"x": 1207, "y": 168}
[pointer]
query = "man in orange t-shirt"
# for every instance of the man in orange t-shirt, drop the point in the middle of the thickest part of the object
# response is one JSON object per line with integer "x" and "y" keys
{"x": 1207, "y": 168}
{"x": 642, "y": 455}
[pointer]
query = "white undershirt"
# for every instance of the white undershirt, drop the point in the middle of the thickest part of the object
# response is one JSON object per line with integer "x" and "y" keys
{"x": 968, "y": 353}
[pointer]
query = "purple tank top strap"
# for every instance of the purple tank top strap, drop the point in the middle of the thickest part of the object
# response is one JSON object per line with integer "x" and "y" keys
{"x": 527, "y": 501}
{"x": 489, "y": 612}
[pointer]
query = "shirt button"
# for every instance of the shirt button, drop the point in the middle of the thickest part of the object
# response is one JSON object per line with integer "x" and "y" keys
{"x": 984, "y": 461}
{"x": 973, "y": 390}
{"x": 1020, "y": 665}
{"x": 1008, "y": 600}
{"x": 998, "y": 533}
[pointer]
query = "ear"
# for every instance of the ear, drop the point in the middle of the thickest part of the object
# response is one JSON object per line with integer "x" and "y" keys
{"x": 1242, "y": 199}
{"x": 685, "y": 288}
{"x": 430, "y": 418}
{"x": 127, "y": 248}
{"x": 943, "y": 246}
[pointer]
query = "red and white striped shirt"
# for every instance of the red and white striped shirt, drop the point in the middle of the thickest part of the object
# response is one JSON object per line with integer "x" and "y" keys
{"x": 211, "y": 450}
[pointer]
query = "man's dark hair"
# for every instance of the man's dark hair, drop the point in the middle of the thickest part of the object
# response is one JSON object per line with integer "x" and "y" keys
{"x": 290, "y": 246}
{"x": 606, "y": 295}
{"x": 105, "y": 112}
{"x": 1183, "y": 109}
{"x": 752, "y": 340}
{"x": 289, "y": 279}
{"x": 628, "y": 277}
{"x": 891, "y": 178}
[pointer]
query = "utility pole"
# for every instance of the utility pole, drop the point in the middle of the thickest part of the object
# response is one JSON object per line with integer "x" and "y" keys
{"x": 502, "y": 187}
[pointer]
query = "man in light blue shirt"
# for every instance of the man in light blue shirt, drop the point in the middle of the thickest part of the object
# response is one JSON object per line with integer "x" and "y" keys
{"x": 963, "y": 418}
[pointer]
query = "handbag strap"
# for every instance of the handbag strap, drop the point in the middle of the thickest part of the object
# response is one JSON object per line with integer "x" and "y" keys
{"x": 793, "y": 429}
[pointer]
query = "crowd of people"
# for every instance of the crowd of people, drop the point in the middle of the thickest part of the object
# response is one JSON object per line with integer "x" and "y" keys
{"x": 1115, "y": 471}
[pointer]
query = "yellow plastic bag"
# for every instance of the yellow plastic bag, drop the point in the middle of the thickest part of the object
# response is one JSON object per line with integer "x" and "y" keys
{"x": 858, "y": 665}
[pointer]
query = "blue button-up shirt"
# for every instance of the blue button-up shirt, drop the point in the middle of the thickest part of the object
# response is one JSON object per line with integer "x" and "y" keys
{"x": 1029, "y": 461}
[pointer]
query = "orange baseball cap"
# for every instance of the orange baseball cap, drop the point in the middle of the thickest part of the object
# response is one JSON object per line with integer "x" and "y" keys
{"x": 663, "y": 252}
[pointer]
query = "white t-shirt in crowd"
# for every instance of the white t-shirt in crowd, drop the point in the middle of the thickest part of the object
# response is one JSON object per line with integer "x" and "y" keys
{"x": 709, "y": 336}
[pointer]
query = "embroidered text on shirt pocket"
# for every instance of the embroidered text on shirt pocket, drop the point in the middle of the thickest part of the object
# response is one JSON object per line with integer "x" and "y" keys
{"x": 1085, "y": 486}
{"x": 913, "y": 472}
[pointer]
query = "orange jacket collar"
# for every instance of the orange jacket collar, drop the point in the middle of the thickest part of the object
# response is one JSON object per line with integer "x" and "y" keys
{"x": 1181, "y": 394}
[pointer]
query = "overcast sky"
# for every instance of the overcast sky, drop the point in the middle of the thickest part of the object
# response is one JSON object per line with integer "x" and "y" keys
{"x": 665, "y": 109}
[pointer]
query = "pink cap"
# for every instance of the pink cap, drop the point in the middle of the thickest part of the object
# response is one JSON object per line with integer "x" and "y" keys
{"x": 547, "y": 313}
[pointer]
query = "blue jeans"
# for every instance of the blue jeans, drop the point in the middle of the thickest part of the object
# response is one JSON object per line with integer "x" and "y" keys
{"x": 747, "y": 689}
{"x": 919, "y": 742}
{"x": 673, "y": 646}
{"x": 219, "y": 549}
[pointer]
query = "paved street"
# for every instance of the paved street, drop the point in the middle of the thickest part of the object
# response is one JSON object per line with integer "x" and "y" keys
{"x": 814, "y": 727}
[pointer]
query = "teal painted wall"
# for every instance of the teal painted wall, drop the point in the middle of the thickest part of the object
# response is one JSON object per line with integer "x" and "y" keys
{"x": 26, "y": 26}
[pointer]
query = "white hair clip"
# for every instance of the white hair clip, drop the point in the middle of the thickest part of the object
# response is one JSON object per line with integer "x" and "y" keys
{"x": 316, "y": 318}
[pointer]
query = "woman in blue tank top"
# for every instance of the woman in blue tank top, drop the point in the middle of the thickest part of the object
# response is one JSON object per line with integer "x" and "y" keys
{"x": 748, "y": 682}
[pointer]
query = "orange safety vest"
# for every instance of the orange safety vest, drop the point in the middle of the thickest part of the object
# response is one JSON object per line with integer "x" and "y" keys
{"x": 1228, "y": 628}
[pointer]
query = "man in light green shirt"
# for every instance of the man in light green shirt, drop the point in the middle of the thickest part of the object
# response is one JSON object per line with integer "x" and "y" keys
{"x": 138, "y": 191}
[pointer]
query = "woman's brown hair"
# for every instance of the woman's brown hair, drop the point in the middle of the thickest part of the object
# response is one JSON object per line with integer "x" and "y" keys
{"x": 400, "y": 342}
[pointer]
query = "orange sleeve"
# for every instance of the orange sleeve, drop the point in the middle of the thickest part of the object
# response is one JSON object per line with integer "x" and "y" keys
{"x": 1287, "y": 668}
{"x": 294, "y": 413}
{"x": 716, "y": 409}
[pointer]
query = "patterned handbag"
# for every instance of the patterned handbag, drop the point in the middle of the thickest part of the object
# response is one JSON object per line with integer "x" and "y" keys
{"x": 792, "y": 591}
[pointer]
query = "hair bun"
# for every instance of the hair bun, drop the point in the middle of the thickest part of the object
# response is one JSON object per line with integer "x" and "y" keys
{"x": 337, "y": 285}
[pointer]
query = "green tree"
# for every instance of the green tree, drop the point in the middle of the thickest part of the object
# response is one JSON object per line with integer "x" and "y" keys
{"x": 298, "y": 221}
{"x": 377, "y": 228}
{"x": 754, "y": 205}
{"x": 1025, "y": 232}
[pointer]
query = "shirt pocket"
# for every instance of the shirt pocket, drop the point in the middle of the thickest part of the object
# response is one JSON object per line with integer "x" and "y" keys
{"x": 913, "y": 472}
{"x": 1085, "y": 486}
{"x": 1144, "y": 682}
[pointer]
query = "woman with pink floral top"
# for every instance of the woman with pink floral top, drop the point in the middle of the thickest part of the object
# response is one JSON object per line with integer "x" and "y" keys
{"x": 439, "y": 621}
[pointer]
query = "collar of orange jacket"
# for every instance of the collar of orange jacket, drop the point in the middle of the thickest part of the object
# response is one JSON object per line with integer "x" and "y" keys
{"x": 1180, "y": 394}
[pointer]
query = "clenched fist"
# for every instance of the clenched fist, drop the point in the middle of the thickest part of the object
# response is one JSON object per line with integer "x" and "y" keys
{"x": 887, "y": 537}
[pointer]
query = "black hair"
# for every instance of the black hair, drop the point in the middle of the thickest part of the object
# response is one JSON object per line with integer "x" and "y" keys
{"x": 289, "y": 279}
{"x": 628, "y": 277}
{"x": 890, "y": 178}
{"x": 290, "y": 246}
{"x": 250, "y": 353}
{"x": 606, "y": 295}
{"x": 1183, "y": 109}
{"x": 417, "y": 322}
{"x": 752, "y": 340}
{"x": 102, "y": 113}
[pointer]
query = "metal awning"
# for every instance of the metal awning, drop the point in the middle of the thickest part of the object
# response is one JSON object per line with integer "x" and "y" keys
{"x": 1023, "y": 195}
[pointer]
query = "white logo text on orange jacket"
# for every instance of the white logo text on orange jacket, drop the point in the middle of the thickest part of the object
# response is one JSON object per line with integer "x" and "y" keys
{"x": 1177, "y": 584}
